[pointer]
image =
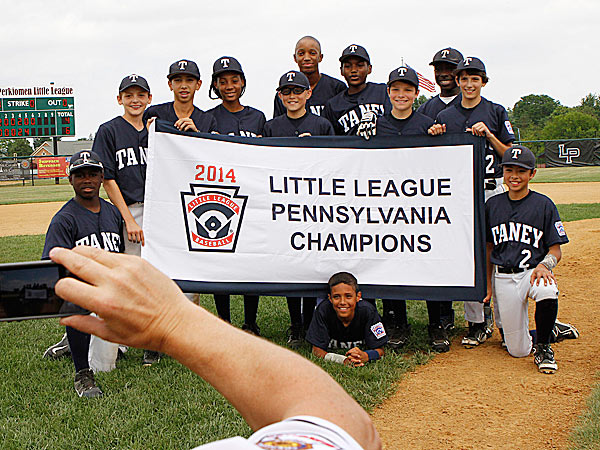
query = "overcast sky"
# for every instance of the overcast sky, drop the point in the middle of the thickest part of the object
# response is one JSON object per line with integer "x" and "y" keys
{"x": 529, "y": 47}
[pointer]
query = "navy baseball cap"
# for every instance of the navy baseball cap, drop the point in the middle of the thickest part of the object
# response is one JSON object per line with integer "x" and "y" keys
{"x": 470, "y": 63}
{"x": 85, "y": 158}
{"x": 227, "y": 64}
{"x": 184, "y": 67}
{"x": 518, "y": 155}
{"x": 449, "y": 55}
{"x": 355, "y": 50}
{"x": 134, "y": 80}
{"x": 404, "y": 73}
{"x": 293, "y": 78}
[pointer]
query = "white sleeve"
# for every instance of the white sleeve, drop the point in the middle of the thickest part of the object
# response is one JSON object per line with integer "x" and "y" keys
{"x": 295, "y": 432}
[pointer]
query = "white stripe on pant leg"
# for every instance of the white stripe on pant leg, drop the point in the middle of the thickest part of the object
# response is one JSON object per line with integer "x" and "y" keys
{"x": 474, "y": 312}
{"x": 137, "y": 211}
{"x": 511, "y": 295}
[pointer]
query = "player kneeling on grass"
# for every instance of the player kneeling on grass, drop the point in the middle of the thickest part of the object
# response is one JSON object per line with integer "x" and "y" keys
{"x": 88, "y": 220}
{"x": 344, "y": 322}
{"x": 524, "y": 234}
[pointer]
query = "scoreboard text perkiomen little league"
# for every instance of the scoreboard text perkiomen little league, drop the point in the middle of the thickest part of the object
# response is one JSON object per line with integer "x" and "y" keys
{"x": 37, "y": 112}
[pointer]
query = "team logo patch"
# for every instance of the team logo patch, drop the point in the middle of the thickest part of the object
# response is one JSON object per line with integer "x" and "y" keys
{"x": 213, "y": 217}
{"x": 378, "y": 330}
{"x": 560, "y": 229}
{"x": 508, "y": 126}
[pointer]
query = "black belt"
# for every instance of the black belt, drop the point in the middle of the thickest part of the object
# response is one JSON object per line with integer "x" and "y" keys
{"x": 490, "y": 184}
{"x": 510, "y": 269}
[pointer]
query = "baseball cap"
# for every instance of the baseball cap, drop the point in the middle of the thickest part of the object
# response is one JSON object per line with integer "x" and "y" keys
{"x": 293, "y": 78}
{"x": 406, "y": 74}
{"x": 518, "y": 155}
{"x": 472, "y": 63}
{"x": 184, "y": 67}
{"x": 85, "y": 158}
{"x": 134, "y": 80}
{"x": 449, "y": 55}
{"x": 355, "y": 50}
{"x": 227, "y": 64}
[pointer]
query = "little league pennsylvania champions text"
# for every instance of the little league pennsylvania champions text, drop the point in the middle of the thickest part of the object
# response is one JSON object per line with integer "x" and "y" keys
{"x": 338, "y": 201}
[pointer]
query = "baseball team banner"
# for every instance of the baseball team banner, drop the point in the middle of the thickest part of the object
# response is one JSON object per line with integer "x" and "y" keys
{"x": 281, "y": 215}
{"x": 577, "y": 152}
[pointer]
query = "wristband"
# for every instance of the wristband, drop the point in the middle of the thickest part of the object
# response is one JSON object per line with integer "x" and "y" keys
{"x": 549, "y": 261}
{"x": 373, "y": 355}
{"x": 334, "y": 357}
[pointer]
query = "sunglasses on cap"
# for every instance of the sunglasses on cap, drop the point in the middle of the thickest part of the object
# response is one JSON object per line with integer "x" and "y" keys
{"x": 296, "y": 90}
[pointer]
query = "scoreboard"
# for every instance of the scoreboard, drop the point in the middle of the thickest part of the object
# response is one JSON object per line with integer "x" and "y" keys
{"x": 37, "y": 117}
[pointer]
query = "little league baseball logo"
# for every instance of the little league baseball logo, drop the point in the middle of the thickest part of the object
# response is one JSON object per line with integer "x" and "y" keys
{"x": 213, "y": 217}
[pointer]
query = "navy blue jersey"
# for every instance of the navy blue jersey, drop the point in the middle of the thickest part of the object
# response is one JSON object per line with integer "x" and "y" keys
{"x": 458, "y": 118}
{"x": 205, "y": 123}
{"x": 122, "y": 149}
{"x": 416, "y": 123}
{"x": 326, "y": 88}
{"x": 435, "y": 105}
{"x": 248, "y": 122}
{"x": 75, "y": 225}
{"x": 283, "y": 126}
{"x": 522, "y": 230}
{"x": 327, "y": 331}
{"x": 345, "y": 111}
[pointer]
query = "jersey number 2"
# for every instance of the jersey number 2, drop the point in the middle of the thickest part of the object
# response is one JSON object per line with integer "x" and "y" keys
{"x": 490, "y": 162}
{"x": 523, "y": 264}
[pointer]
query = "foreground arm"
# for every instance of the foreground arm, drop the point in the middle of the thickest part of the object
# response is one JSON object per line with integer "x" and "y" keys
{"x": 139, "y": 306}
{"x": 134, "y": 231}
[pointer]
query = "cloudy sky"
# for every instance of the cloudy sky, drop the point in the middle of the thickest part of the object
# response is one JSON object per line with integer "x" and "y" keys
{"x": 542, "y": 47}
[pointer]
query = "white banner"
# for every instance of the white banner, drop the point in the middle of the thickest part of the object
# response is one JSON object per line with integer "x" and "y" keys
{"x": 220, "y": 211}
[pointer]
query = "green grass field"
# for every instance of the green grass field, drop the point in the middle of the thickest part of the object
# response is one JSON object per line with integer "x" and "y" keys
{"x": 165, "y": 407}
{"x": 567, "y": 174}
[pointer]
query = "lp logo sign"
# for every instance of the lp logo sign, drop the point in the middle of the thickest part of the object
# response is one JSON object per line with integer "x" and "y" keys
{"x": 568, "y": 153}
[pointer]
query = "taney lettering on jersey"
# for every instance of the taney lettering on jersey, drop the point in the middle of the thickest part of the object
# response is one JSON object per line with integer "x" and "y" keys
{"x": 517, "y": 232}
{"x": 110, "y": 241}
{"x": 126, "y": 157}
{"x": 351, "y": 119}
{"x": 334, "y": 343}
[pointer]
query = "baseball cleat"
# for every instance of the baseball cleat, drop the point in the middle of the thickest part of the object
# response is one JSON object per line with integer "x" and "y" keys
{"x": 295, "y": 338}
{"x": 438, "y": 338}
{"x": 59, "y": 349}
{"x": 150, "y": 358}
{"x": 251, "y": 328}
{"x": 563, "y": 331}
{"x": 399, "y": 336}
{"x": 475, "y": 336}
{"x": 85, "y": 384}
{"x": 543, "y": 356}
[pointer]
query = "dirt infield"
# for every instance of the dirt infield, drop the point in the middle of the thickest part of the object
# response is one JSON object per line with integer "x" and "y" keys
{"x": 480, "y": 398}
{"x": 29, "y": 218}
{"x": 483, "y": 398}
{"x": 569, "y": 192}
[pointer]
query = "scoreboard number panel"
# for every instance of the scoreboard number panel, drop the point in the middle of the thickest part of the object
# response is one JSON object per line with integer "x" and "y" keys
{"x": 37, "y": 117}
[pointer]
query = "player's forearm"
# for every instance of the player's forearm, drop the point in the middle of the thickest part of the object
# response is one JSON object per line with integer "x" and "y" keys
{"x": 115, "y": 196}
{"x": 283, "y": 383}
{"x": 318, "y": 352}
{"x": 498, "y": 146}
{"x": 556, "y": 251}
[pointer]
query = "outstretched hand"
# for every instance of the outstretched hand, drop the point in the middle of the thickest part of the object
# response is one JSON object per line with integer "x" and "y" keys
{"x": 136, "y": 304}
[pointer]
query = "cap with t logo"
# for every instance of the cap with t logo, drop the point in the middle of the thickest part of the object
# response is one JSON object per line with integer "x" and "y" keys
{"x": 518, "y": 155}
{"x": 134, "y": 80}
{"x": 404, "y": 73}
{"x": 184, "y": 67}
{"x": 293, "y": 78}
{"x": 355, "y": 50}
{"x": 85, "y": 158}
